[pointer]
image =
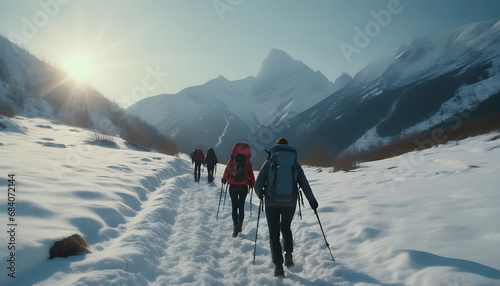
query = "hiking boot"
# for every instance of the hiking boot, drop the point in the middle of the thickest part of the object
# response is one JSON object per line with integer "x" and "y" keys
{"x": 239, "y": 226}
{"x": 288, "y": 259}
{"x": 278, "y": 270}
{"x": 235, "y": 230}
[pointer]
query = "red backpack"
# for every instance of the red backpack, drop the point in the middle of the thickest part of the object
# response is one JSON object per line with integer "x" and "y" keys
{"x": 198, "y": 155}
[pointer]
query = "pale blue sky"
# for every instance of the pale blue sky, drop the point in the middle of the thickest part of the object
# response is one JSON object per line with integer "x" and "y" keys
{"x": 144, "y": 48}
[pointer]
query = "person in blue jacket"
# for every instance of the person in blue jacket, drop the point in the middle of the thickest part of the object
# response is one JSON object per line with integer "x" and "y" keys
{"x": 280, "y": 214}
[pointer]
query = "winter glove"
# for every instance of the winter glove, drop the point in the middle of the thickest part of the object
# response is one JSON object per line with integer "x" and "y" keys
{"x": 314, "y": 204}
{"x": 223, "y": 181}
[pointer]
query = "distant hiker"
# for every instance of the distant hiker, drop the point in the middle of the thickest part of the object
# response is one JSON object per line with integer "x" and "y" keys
{"x": 239, "y": 173}
{"x": 211, "y": 161}
{"x": 197, "y": 157}
{"x": 277, "y": 182}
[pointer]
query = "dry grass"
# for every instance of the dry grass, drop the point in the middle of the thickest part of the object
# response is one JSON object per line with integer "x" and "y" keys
{"x": 6, "y": 110}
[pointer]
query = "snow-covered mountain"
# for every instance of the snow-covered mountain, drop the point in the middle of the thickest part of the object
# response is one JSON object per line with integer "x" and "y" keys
{"x": 435, "y": 82}
{"x": 222, "y": 112}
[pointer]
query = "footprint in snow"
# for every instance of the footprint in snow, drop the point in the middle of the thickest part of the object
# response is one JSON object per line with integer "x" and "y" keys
{"x": 55, "y": 145}
{"x": 121, "y": 167}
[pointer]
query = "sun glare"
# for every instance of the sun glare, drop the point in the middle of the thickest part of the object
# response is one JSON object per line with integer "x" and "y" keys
{"x": 79, "y": 66}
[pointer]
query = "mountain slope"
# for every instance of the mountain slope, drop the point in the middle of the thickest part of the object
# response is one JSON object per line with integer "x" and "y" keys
{"x": 34, "y": 88}
{"x": 222, "y": 112}
{"x": 425, "y": 86}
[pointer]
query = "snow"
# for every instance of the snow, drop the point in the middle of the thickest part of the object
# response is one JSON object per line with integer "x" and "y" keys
{"x": 438, "y": 53}
{"x": 423, "y": 218}
{"x": 467, "y": 97}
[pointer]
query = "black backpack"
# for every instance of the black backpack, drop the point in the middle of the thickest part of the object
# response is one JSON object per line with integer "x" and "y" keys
{"x": 211, "y": 158}
{"x": 240, "y": 164}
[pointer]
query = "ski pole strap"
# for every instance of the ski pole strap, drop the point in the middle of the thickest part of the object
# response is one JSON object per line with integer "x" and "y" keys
{"x": 324, "y": 236}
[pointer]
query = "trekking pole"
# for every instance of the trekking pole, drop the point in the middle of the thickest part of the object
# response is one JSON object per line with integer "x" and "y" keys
{"x": 324, "y": 236}
{"x": 301, "y": 199}
{"x": 220, "y": 198}
{"x": 251, "y": 191}
{"x": 225, "y": 194}
{"x": 256, "y": 232}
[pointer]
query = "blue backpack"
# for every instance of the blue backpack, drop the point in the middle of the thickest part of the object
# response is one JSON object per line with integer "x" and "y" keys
{"x": 282, "y": 176}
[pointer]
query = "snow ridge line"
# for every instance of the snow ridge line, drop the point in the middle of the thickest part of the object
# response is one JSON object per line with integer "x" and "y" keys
{"x": 150, "y": 229}
{"x": 133, "y": 256}
{"x": 173, "y": 168}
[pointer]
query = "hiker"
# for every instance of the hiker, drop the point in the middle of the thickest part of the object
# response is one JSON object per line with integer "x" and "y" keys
{"x": 211, "y": 162}
{"x": 197, "y": 157}
{"x": 277, "y": 182}
{"x": 239, "y": 175}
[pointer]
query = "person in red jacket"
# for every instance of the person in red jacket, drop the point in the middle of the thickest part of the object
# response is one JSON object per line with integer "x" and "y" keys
{"x": 239, "y": 175}
{"x": 198, "y": 158}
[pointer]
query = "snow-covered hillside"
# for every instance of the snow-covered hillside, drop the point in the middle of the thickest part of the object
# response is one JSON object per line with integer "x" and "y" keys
{"x": 432, "y": 83}
{"x": 427, "y": 57}
{"x": 20, "y": 73}
{"x": 426, "y": 218}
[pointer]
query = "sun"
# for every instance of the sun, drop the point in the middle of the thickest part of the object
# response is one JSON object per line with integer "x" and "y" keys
{"x": 79, "y": 66}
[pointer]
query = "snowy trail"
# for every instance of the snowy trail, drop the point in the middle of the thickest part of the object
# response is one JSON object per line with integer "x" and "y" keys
{"x": 202, "y": 249}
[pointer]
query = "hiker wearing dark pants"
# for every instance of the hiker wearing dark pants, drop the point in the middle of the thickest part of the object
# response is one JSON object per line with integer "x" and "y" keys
{"x": 238, "y": 195}
{"x": 197, "y": 170}
{"x": 211, "y": 161}
{"x": 239, "y": 175}
{"x": 197, "y": 157}
{"x": 274, "y": 224}
{"x": 277, "y": 183}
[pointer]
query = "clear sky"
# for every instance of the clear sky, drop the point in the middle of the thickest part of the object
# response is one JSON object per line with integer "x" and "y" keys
{"x": 130, "y": 49}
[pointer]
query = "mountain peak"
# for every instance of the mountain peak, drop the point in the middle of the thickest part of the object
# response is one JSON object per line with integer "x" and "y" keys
{"x": 343, "y": 80}
{"x": 277, "y": 53}
{"x": 278, "y": 62}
